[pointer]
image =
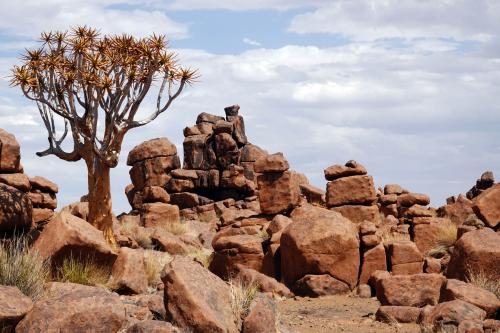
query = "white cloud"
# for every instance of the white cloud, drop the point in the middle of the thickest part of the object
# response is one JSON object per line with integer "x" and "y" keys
{"x": 251, "y": 42}
{"x": 241, "y": 5}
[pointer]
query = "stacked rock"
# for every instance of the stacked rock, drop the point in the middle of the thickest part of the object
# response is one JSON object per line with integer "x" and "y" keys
{"x": 374, "y": 257}
{"x": 151, "y": 164}
{"x": 486, "y": 181}
{"x": 350, "y": 191}
{"x": 24, "y": 201}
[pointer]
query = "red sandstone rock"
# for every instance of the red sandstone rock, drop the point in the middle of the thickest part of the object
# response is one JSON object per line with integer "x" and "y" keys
{"x": 359, "y": 213}
{"x": 155, "y": 194}
{"x": 452, "y": 312}
{"x": 373, "y": 260}
{"x": 43, "y": 184}
{"x": 10, "y": 152}
{"x": 350, "y": 190}
{"x": 352, "y": 168}
{"x": 72, "y": 307}
{"x": 158, "y": 214}
{"x": 67, "y": 234}
{"x": 458, "y": 211}
{"x": 278, "y": 193}
{"x": 251, "y": 153}
{"x": 393, "y": 189}
{"x": 320, "y": 285}
{"x": 15, "y": 209}
{"x": 432, "y": 265}
{"x": 128, "y": 274}
{"x": 410, "y": 199}
{"x": 456, "y": 289}
{"x": 487, "y": 206}
{"x": 197, "y": 299}
{"x": 43, "y": 200}
{"x": 13, "y": 307}
{"x": 401, "y": 314}
{"x": 476, "y": 252}
{"x": 262, "y": 316}
{"x": 271, "y": 163}
{"x": 319, "y": 241}
{"x": 169, "y": 243}
{"x": 18, "y": 180}
{"x": 405, "y": 258}
{"x": 152, "y": 326}
{"x": 410, "y": 290}
{"x": 266, "y": 284}
{"x": 159, "y": 147}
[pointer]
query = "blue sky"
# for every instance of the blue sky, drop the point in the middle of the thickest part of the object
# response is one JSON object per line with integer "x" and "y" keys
{"x": 411, "y": 89}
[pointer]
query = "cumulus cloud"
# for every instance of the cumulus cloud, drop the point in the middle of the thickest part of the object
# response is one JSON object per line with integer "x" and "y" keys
{"x": 251, "y": 42}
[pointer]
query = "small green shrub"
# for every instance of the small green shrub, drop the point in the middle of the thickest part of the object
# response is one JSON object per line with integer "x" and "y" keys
{"x": 82, "y": 270}
{"x": 23, "y": 268}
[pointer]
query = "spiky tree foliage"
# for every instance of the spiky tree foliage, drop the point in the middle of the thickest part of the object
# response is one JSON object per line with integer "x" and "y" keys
{"x": 91, "y": 86}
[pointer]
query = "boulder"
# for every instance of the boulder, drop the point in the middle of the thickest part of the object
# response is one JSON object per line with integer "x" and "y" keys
{"x": 320, "y": 285}
{"x": 15, "y": 210}
{"x": 457, "y": 211}
{"x": 43, "y": 184}
{"x": 128, "y": 275}
{"x": 265, "y": 283}
{"x": 167, "y": 242}
{"x": 359, "y": 213}
{"x": 410, "y": 199}
{"x": 393, "y": 189}
{"x": 401, "y": 314}
{"x": 278, "y": 192}
{"x": 487, "y": 206}
{"x": 410, "y": 290}
{"x": 319, "y": 241}
{"x": 262, "y": 316}
{"x": 152, "y": 326}
{"x": 405, "y": 258}
{"x": 271, "y": 163}
{"x": 13, "y": 307}
{"x": 155, "y": 194}
{"x": 197, "y": 299}
{"x": 251, "y": 153}
{"x": 73, "y": 307}
{"x": 67, "y": 235}
{"x": 159, "y": 214}
{"x": 43, "y": 200}
{"x": 374, "y": 259}
{"x": 351, "y": 168}
{"x": 452, "y": 312}
{"x": 10, "y": 153}
{"x": 456, "y": 289}
{"x": 476, "y": 252}
{"x": 350, "y": 190}
{"x": 18, "y": 180}
{"x": 159, "y": 147}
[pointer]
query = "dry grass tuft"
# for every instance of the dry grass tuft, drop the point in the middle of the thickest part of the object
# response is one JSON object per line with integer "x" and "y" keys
{"x": 23, "y": 268}
{"x": 445, "y": 239}
{"x": 200, "y": 255}
{"x": 242, "y": 296}
{"x": 177, "y": 229}
{"x": 82, "y": 270}
{"x": 483, "y": 280}
{"x": 264, "y": 235}
{"x": 153, "y": 265}
{"x": 390, "y": 237}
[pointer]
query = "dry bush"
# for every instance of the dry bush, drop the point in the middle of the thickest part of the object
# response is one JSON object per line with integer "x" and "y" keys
{"x": 153, "y": 265}
{"x": 484, "y": 280}
{"x": 438, "y": 328}
{"x": 446, "y": 237}
{"x": 264, "y": 235}
{"x": 82, "y": 270}
{"x": 200, "y": 255}
{"x": 242, "y": 296}
{"x": 177, "y": 229}
{"x": 23, "y": 268}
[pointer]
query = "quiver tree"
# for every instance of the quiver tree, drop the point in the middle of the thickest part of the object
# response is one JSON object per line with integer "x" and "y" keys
{"x": 91, "y": 86}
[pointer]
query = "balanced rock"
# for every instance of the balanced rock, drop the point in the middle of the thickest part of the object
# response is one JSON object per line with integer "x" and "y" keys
{"x": 10, "y": 153}
{"x": 351, "y": 168}
{"x": 487, "y": 206}
{"x": 159, "y": 147}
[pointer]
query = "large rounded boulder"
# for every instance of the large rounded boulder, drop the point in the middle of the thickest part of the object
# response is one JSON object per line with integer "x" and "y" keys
{"x": 15, "y": 210}
{"x": 319, "y": 241}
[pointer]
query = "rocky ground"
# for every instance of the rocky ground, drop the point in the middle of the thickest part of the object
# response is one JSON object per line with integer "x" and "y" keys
{"x": 233, "y": 240}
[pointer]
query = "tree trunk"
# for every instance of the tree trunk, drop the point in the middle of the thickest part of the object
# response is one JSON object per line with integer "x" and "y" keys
{"x": 99, "y": 197}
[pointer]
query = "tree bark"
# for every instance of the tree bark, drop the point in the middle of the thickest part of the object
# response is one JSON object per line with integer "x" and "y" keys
{"x": 99, "y": 198}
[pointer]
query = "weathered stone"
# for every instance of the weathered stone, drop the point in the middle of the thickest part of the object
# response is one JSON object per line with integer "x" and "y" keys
{"x": 194, "y": 151}
{"x": 153, "y": 171}
{"x": 393, "y": 189}
{"x": 159, "y": 147}
{"x": 251, "y": 153}
{"x": 278, "y": 193}
{"x": 373, "y": 259}
{"x": 410, "y": 199}
{"x": 470, "y": 326}
{"x": 476, "y": 252}
{"x": 352, "y": 168}
{"x": 238, "y": 129}
{"x": 432, "y": 265}
{"x": 313, "y": 194}
{"x": 43, "y": 200}
{"x": 180, "y": 185}
{"x": 401, "y": 314}
{"x": 453, "y": 312}
{"x": 388, "y": 199}
{"x": 266, "y": 284}
{"x": 370, "y": 240}
{"x": 197, "y": 299}
{"x": 487, "y": 206}
{"x": 168, "y": 242}
{"x": 208, "y": 118}
{"x": 226, "y": 150}
{"x": 491, "y": 326}
{"x": 223, "y": 127}
{"x": 419, "y": 211}
{"x": 155, "y": 194}
{"x": 13, "y": 307}
{"x": 425, "y": 236}
{"x": 457, "y": 211}
{"x": 67, "y": 235}
{"x": 262, "y": 316}
{"x": 152, "y": 326}
{"x": 364, "y": 291}
{"x": 350, "y": 190}
{"x": 404, "y": 252}
{"x": 410, "y": 290}
{"x": 73, "y": 307}
{"x": 128, "y": 275}
{"x": 319, "y": 241}
{"x": 158, "y": 214}
{"x": 18, "y": 180}
{"x": 456, "y": 289}
{"x": 185, "y": 199}
{"x": 42, "y": 215}
{"x": 359, "y": 213}
{"x": 15, "y": 210}
{"x": 10, "y": 152}
{"x": 271, "y": 163}
{"x": 43, "y": 184}
{"x": 320, "y": 285}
